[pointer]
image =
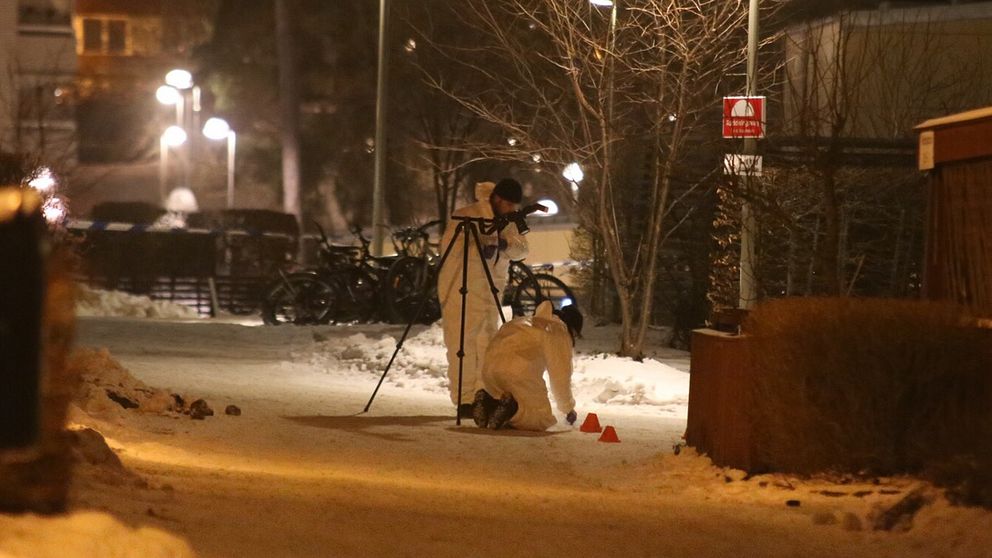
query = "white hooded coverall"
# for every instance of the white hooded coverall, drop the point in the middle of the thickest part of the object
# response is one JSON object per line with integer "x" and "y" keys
{"x": 481, "y": 313}
{"x": 515, "y": 362}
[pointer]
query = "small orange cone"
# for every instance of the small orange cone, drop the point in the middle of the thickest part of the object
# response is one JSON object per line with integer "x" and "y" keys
{"x": 610, "y": 435}
{"x": 591, "y": 424}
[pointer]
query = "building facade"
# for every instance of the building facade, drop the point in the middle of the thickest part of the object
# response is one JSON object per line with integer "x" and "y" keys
{"x": 125, "y": 48}
{"x": 38, "y": 59}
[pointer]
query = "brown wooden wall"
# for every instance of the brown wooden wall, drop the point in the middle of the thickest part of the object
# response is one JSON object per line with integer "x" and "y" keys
{"x": 958, "y": 264}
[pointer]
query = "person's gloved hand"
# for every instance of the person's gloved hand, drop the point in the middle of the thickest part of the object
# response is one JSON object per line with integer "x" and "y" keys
{"x": 571, "y": 416}
{"x": 489, "y": 251}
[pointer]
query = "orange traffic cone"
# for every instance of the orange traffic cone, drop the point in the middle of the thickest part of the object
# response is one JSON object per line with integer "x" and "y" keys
{"x": 591, "y": 424}
{"x": 610, "y": 435}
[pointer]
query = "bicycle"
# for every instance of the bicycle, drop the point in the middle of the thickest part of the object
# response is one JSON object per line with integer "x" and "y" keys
{"x": 413, "y": 275}
{"x": 529, "y": 286}
{"x": 342, "y": 287}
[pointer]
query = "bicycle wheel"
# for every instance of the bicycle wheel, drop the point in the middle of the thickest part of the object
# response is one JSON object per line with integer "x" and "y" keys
{"x": 355, "y": 297}
{"x": 408, "y": 281}
{"x": 536, "y": 289}
{"x": 301, "y": 299}
{"x": 517, "y": 274}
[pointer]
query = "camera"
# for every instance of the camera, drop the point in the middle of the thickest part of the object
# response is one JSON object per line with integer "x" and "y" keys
{"x": 518, "y": 217}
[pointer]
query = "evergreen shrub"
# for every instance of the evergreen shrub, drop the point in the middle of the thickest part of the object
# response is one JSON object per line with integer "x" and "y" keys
{"x": 874, "y": 386}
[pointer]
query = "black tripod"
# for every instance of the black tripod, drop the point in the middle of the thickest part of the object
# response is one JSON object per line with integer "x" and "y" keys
{"x": 467, "y": 226}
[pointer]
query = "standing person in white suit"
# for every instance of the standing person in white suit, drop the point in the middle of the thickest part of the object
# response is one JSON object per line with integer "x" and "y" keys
{"x": 513, "y": 373}
{"x": 481, "y": 313}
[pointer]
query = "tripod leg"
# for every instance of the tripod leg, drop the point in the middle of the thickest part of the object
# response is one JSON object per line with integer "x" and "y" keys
{"x": 489, "y": 275}
{"x": 461, "y": 335}
{"x": 420, "y": 309}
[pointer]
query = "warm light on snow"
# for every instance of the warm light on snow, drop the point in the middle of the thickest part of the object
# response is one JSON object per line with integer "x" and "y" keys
{"x": 304, "y": 472}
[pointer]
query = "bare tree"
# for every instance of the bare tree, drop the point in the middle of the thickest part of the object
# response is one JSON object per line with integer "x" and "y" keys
{"x": 858, "y": 82}
{"x": 564, "y": 83}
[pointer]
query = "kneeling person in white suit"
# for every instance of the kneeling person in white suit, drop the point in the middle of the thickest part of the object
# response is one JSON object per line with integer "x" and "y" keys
{"x": 513, "y": 371}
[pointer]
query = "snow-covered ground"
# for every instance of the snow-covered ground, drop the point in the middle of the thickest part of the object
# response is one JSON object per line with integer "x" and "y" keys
{"x": 302, "y": 471}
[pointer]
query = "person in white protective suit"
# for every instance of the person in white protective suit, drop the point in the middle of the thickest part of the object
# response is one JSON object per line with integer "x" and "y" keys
{"x": 481, "y": 312}
{"x": 513, "y": 373}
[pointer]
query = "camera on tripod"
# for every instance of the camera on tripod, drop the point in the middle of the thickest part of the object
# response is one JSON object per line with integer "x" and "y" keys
{"x": 518, "y": 217}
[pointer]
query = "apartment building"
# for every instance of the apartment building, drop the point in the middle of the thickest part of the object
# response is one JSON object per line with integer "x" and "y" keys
{"x": 38, "y": 60}
{"x": 125, "y": 48}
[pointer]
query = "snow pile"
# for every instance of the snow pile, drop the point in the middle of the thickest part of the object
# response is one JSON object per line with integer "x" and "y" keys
{"x": 85, "y": 535}
{"x": 107, "y": 388}
{"x": 96, "y": 302}
{"x": 610, "y": 380}
{"x": 422, "y": 364}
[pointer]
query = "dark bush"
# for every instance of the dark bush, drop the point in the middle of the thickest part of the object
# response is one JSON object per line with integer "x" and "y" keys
{"x": 254, "y": 220}
{"x": 126, "y": 212}
{"x": 873, "y": 386}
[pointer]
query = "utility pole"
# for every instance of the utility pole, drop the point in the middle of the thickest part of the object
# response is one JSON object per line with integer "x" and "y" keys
{"x": 749, "y": 225}
{"x": 378, "y": 188}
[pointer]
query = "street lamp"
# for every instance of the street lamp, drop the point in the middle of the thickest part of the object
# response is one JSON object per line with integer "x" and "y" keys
{"x": 573, "y": 173}
{"x": 169, "y": 95}
{"x": 748, "y": 290}
{"x": 173, "y": 136}
{"x": 180, "y": 79}
{"x": 218, "y": 129}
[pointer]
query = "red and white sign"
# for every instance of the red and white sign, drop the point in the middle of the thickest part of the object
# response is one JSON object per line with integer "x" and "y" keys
{"x": 743, "y": 117}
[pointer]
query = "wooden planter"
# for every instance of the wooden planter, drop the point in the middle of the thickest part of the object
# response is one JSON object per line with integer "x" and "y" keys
{"x": 720, "y": 382}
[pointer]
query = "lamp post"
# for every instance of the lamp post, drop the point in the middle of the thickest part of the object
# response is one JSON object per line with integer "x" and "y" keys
{"x": 378, "y": 187}
{"x": 181, "y": 81}
{"x": 748, "y": 289}
{"x": 173, "y": 136}
{"x": 218, "y": 129}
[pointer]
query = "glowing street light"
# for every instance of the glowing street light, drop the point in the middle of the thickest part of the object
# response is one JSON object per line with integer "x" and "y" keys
{"x": 180, "y": 79}
{"x": 573, "y": 173}
{"x": 218, "y": 129}
{"x": 552, "y": 208}
{"x": 174, "y": 136}
{"x": 168, "y": 95}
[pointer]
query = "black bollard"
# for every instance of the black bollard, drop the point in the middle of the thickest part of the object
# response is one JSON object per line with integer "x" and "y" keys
{"x": 22, "y": 283}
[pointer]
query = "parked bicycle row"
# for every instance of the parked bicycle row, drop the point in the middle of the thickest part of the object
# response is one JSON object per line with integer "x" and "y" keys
{"x": 349, "y": 284}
